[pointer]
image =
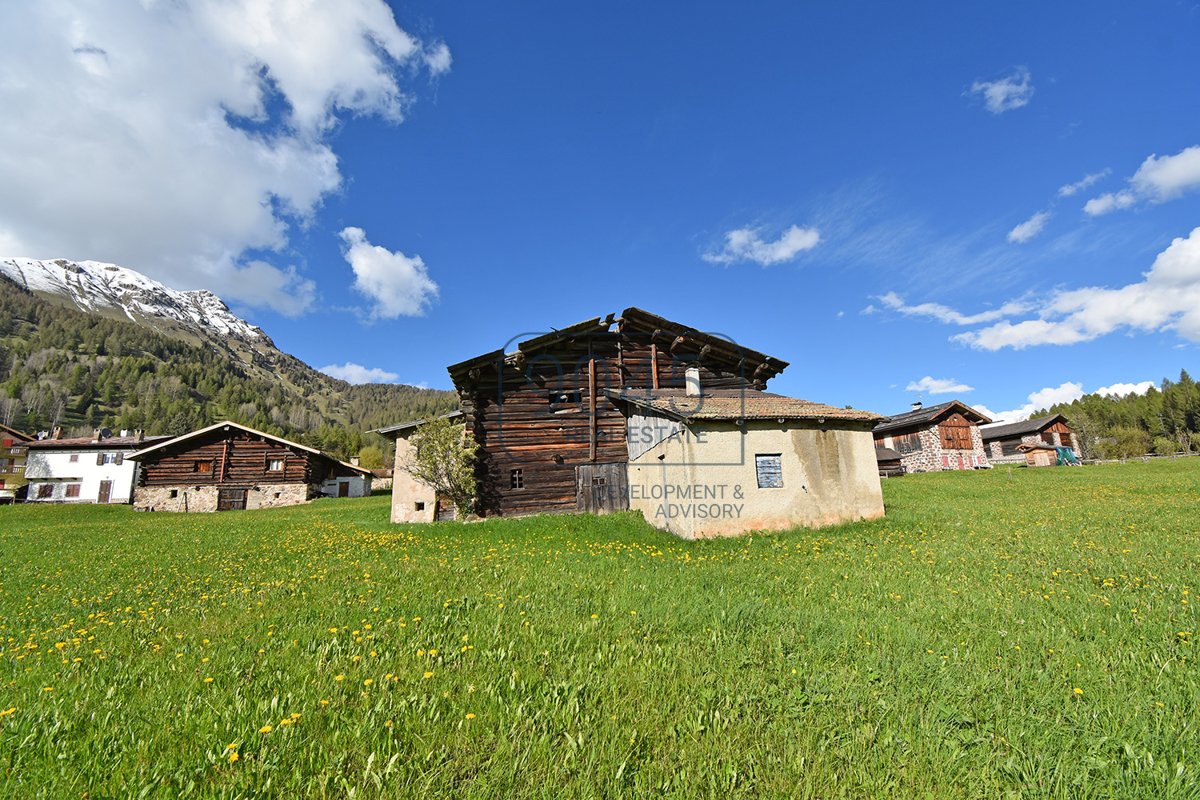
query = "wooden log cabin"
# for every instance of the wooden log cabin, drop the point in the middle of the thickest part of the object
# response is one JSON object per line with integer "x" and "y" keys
{"x": 551, "y": 437}
{"x": 228, "y": 466}
{"x": 1003, "y": 442}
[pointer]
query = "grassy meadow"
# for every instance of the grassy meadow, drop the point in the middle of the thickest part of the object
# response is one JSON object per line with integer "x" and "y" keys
{"x": 1016, "y": 633}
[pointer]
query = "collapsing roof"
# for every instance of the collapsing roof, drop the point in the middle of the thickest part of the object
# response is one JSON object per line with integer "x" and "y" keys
{"x": 1006, "y": 430}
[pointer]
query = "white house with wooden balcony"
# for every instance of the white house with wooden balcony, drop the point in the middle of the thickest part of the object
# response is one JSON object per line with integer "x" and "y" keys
{"x": 93, "y": 469}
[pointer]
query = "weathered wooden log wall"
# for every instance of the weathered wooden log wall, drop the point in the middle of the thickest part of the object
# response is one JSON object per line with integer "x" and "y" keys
{"x": 233, "y": 458}
{"x": 544, "y": 411}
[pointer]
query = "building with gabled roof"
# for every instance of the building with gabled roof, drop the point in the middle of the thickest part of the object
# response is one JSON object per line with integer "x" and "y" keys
{"x": 1003, "y": 441}
{"x": 560, "y": 423}
{"x": 84, "y": 469}
{"x": 228, "y": 466}
{"x": 13, "y": 454}
{"x": 934, "y": 438}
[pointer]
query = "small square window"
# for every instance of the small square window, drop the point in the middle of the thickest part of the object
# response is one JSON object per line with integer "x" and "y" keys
{"x": 74, "y": 459}
{"x": 516, "y": 480}
{"x": 203, "y": 466}
{"x": 72, "y": 490}
{"x": 274, "y": 465}
{"x": 45, "y": 491}
{"x": 770, "y": 471}
{"x": 174, "y": 493}
{"x": 420, "y": 506}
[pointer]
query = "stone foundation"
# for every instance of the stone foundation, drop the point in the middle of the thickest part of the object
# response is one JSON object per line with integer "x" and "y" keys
{"x": 204, "y": 498}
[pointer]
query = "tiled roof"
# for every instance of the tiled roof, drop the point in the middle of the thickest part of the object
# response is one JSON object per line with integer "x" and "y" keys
{"x": 737, "y": 405}
{"x": 926, "y": 415}
{"x": 1006, "y": 430}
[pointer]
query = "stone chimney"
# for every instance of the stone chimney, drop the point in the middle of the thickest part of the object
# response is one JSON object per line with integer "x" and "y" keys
{"x": 56, "y": 433}
{"x": 139, "y": 435}
{"x": 691, "y": 380}
{"x": 917, "y": 406}
{"x": 96, "y": 434}
{"x": 354, "y": 460}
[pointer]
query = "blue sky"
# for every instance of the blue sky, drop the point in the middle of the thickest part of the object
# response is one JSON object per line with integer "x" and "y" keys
{"x": 877, "y": 194}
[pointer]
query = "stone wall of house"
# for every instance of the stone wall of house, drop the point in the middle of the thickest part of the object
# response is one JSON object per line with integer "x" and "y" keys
{"x": 204, "y": 498}
{"x": 929, "y": 457}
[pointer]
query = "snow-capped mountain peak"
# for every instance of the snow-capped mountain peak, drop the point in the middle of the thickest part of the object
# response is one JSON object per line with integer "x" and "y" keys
{"x": 96, "y": 287}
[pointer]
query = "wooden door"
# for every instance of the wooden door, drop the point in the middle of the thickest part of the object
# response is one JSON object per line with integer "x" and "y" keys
{"x": 231, "y": 499}
{"x": 343, "y": 488}
{"x": 602, "y": 487}
{"x": 105, "y": 492}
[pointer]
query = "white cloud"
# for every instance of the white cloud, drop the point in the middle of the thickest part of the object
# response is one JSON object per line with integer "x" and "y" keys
{"x": 1106, "y": 203}
{"x": 1157, "y": 180}
{"x": 438, "y": 59}
{"x": 1167, "y": 298}
{"x": 1123, "y": 389}
{"x": 175, "y": 138}
{"x": 1086, "y": 182}
{"x": 1007, "y": 93}
{"x": 1029, "y": 228}
{"x": 745, "y": 244}
{"x": 1042, "y": 398}
{"x": 932, "y": 385}
{"x": 357, "y": 373}
{"x": 948, "y": 315}
{"x": 400, "y": 286}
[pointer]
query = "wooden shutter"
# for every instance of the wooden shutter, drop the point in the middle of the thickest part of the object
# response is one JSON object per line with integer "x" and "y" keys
{"x": 770, "y": 471}
{"x": 99, "y": 459}
{"x": 120, "y": 459}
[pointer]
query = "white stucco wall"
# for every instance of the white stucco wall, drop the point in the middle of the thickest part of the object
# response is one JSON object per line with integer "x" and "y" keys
{"x": 705, "y": 483}
{"x": 360, "y": 486}
{"x": 412, "y": 500}
{"x": 55, "y": 467}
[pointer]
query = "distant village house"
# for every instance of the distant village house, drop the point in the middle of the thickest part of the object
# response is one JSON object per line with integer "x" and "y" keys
{"x": 228, "y": 466}
{"x": 13, "y": 453}
{"x": 1003, "y": 441}
{"x": 412, "y": 500}
{"x": 94, "y": 469}
{"x": 935, "y": 438}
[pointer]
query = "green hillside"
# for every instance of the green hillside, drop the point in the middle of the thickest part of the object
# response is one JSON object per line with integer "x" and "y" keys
{"x": 60, "y": 366}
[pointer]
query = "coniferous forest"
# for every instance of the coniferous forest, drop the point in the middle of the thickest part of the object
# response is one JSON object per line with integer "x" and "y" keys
{"x": 1163, "y": 421}
{"x": 60, "y": 367}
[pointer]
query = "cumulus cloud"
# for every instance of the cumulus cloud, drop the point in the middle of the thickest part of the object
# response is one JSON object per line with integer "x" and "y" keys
{"x": 1168, "y": 297}
{"x": 1029, "y": 228}
{"x": 357, "y": 373}
{"x": 398, "y": 285}
{"x": 1123, "y": 389}
{"x": 1157, "y": 180}
{"x": 1064, "y": 393}
{"x": 176, "y": 138}
{"x": 746, "y": 244}
{"x": 1086, "y": 182}
{"x": 1006, "y": 93}
{"x": 946, "y": 314}
{"x": 1042, "y": 398}
{"x": 932, "y": 385}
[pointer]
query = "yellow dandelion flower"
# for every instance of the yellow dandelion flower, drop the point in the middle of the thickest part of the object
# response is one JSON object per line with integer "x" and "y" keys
{"x": 470, "y": 716}
{"x": 368, "y": 681}
{"x": 233, "y": 757}
{"x": 339, "y": 677}
{"x": 387, "y": 724}
{"x": 208, "y": 680}
{"x": 48, "y": 689}
{"x": 1078, "y": 690}
{"x": 265, "y": 729}
{"x": 427, "y": 675}
{"x": 324, "y": 702}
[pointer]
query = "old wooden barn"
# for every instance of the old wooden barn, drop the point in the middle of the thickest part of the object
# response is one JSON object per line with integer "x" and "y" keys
{"x": 229, "y": 466}
{"x": 554, "y": 419}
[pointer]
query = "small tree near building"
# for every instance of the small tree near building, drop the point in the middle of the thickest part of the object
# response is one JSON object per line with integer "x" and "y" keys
{"x": 444, "y": 459}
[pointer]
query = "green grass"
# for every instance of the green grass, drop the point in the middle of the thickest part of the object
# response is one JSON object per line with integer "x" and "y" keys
{"x": 1023, "y": 633}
